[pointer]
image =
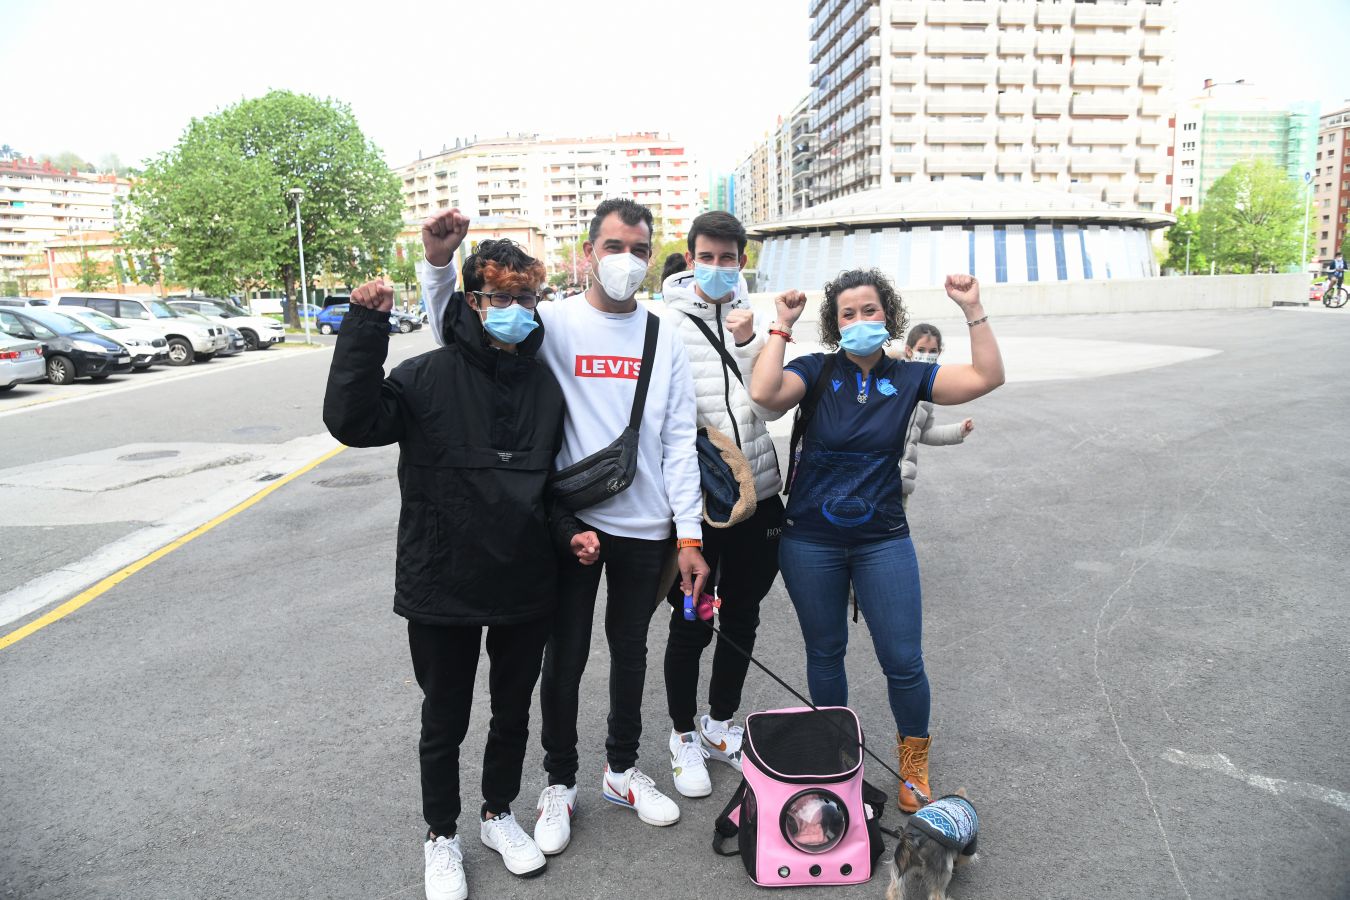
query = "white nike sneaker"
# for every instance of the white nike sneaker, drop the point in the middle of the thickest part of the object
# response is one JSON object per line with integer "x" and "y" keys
{"x": 687, "y": 765}
{"x": 445, "y": 869}
{"x": 521, "y": 855}
{"x": 721, "y": 740}
{"x": 553, "y": 829}
{"x": 640, "y": 794}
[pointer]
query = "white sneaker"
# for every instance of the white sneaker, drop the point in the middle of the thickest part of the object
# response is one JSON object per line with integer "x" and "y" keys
{"x": 640, "y": 794}
{"x": 686, "y": 764}
{"x": 445, "y": 869}
{"x": 521, "y": 855}
{"x": 553, "y": 829}
{"x": 721, "y": 740}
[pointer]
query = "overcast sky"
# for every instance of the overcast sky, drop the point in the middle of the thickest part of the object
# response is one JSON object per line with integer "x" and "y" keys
{"x": 125, "y": 78}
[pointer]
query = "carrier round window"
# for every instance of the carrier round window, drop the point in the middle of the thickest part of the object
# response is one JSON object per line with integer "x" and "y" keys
{"x": 814, "y": 820}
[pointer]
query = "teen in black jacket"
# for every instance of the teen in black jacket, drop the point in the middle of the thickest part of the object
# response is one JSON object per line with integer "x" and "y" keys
{"x": 478, "y": 423}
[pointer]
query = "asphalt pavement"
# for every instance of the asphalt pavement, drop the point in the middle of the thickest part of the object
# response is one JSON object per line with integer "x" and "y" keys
{"x": 1136, "y": 633}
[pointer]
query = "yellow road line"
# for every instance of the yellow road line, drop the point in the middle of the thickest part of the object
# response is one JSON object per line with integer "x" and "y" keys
{"x": 123, "y": 574}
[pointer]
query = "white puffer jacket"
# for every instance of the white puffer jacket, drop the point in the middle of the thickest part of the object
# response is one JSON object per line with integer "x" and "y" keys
{"x": 723, "y": 402}
{"x": 923, "y": 428}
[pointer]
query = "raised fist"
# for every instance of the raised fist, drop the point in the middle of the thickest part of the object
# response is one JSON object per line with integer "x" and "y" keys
{"x": 374, "y": 295}
{"x": 442, "y": 234}
{"x": 741, "y": 324}
{"x": 964, "y": 289}
{"x": 790, "y": 306}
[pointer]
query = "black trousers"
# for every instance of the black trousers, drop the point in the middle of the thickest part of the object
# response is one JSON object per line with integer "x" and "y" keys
{"x": 445, "y": 659}
{"x": 744, "y": 563}
{"x": 635, "y": 577}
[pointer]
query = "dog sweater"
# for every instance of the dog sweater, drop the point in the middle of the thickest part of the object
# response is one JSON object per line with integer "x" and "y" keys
{"x": 951, "y": 822}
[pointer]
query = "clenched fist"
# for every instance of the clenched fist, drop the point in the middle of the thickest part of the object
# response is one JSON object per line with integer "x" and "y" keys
{"x": 741, "y": 324}
{"x": 442, "y": 234}
{"x": 790, "y": 306}
{"x": 374, "y": 295}
{"x": 964, "y": 289}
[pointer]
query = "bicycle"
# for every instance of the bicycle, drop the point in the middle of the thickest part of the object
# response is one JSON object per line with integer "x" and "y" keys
{"x": 1334, "y": 294}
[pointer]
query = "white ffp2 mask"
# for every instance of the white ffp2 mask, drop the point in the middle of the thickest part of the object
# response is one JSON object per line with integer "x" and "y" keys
{"x": 620, "y": 274}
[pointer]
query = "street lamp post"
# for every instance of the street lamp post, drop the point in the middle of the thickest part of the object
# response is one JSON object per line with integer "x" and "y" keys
{"x": 297, "y": 193}
{"x": 1307, "y": 197}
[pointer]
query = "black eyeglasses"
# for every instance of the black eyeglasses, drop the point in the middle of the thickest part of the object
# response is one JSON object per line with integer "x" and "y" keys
{"x": 503, "y": 300}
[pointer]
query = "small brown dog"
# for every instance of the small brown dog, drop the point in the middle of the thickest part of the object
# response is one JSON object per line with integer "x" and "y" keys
{"x": 937, "y": 839}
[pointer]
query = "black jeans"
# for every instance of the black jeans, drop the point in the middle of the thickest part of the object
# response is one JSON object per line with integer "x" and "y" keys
{"x": 744, "y": 563}
{"x": 635, "y": 572}
{"x": 445, "y": 659}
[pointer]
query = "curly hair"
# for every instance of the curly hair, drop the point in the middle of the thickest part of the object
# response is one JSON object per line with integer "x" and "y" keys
{"x": 896, "y": 317}
{"x": 505, "y": 263}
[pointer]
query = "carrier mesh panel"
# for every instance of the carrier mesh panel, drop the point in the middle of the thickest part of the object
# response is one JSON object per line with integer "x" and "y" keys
{"x": 820, "y": 743}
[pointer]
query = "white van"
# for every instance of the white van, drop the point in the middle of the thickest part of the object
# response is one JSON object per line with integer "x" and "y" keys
{"x": 188, "y": 340}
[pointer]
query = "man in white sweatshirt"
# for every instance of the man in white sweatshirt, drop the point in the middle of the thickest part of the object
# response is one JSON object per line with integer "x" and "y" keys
{"x": 593, "y": 344}
{"x": 705, "y": 306}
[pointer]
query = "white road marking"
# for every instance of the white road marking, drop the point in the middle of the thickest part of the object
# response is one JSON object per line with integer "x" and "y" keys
{"x": 1217, "y": 762}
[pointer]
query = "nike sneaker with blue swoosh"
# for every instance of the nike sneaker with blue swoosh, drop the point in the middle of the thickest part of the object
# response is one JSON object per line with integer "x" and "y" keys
{"x": 639, "y": 793}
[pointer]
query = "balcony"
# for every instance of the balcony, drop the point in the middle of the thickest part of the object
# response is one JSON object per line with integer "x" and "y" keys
{"x": 1053, "y": 13}
{"x": 905, "y": 104}
{"x": 873, "y": 108}
{"x": 1016, "y": 13}
{"x": 1087, "y": 189}
{"x": 1153, "y": 164}
{"x": 873, "y": 78}
{"x": 1157, "y": 46}
{"x": 968, "y": 43}
{"x": 1016, "y": 43}
{"x": 906, "y": 12}
{"x": 1114, "y": 15}
{"x": 1122, "y": 194}
{"x": 873, "y": 136}
{"x": 1014, "y": 132}
{"x": 960, "y": 12}
{"x": 1100, "y": 164}
{"x": 1156, "y": 76}
{"x": 906, "y": 133}
{"x": 1052, "y": 73}
{"x": 1159, "y": 17}
{"x": 1154, "y": 193}
{"x": 1051, "y": 105}
{"x": 1014, "y": 74}
{"x": 960, "y": 73}
{"x": 1104, "y": 105}
{"x": 1098, "y": 74}
{"x": 1048, "y": 163}
{"x": 1154, "y": 136}
{"x": 905, "y": 43}
{"x": 906, "y": 163}
{"x": 1053, "y": 44}
{"x": 874, "y": 165}
{"x": 1013, "y": 162}
{"x": 960, "y": 104}
{"x": 906, "y": 73}
{"x": 960, "y": 132}
{"x": 1155, "y": 105}
{"x": 1105, "y": 45}
{"x": 1014, "y": 104}
{"x": 1051, "y": 132}
{"x": 960, "y": 163}
{"x": 1117, "y": 133}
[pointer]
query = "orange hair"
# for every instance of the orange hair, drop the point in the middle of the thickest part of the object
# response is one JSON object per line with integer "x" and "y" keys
{"x": 530, "y": 279}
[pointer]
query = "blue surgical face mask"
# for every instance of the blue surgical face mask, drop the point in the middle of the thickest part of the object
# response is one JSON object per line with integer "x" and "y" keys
{"x": 863, "y": 338}
{"x": 511, "y": 325}
{"x": 716, "y": 282}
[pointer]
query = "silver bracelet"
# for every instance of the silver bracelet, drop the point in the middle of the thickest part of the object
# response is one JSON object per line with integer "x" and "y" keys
{"x": 978, "y": 321}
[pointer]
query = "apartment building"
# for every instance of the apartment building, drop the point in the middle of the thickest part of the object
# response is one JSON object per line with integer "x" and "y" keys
{"x": 775, "y": 179}
{"x": 40, "y": 203}
{"x": 557, "y": 183}
{"x": 1331, "y": 184}
{"x": 1232, "y": 122}
{"x": 1070, "y": 94}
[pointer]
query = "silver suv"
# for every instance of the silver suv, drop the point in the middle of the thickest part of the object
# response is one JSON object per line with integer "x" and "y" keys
{"x": 188, "y": 339}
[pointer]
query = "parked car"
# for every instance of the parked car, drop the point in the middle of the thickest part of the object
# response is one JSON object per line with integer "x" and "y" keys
{"x": 234, "y": 340}
{"x": 73, "y": 351}
{"x": 21, "y": 361}
{"x": 146, "y": 346}
{"x": 330, "y": 320}
{"x": 188, "y": 339}
{"x": 307, "y": 310}
{"x": 405, "y": 322}
{"x": 23, "y": 301}
{"x": 259, "y": 332}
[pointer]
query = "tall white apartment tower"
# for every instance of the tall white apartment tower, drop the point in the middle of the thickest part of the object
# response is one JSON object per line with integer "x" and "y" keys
{"x": 1072, "y": 94}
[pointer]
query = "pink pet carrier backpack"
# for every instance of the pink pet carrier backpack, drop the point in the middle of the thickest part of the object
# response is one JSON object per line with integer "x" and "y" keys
{"x": 802, "y": 814}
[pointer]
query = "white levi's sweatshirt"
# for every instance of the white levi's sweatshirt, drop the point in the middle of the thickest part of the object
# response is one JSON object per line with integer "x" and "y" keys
{"x": 596, "y": 357}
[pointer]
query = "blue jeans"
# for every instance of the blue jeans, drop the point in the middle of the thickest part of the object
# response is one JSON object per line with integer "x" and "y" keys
{"x": 885, "y": 576}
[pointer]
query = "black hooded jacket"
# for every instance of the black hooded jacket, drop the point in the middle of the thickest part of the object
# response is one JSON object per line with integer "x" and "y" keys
{"x": 478, "y": 429}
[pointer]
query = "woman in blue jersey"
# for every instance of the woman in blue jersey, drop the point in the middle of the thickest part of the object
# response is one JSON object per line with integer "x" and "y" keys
{"x": 845, "y": 521}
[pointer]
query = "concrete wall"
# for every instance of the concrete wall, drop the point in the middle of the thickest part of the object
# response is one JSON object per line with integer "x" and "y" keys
{"x": 1114, "y": 296}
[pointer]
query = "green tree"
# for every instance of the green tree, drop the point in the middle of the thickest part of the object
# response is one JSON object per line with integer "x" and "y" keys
{"x": 662, "y": 247}
{"x": 403, "y": 270}
{"x": 92, "y": 275}
{"x": 1252, "y": 219}
{"x": 219, "y": 200}
{"x": 66, "y": 160}
{"x": 1187, "y": 228}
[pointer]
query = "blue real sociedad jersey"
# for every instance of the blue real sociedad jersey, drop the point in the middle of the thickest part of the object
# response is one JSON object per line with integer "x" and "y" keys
{"x": 847, "y": 487}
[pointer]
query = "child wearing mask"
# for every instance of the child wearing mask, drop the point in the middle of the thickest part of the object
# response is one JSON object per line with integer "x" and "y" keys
{"x": 924, "y": 344}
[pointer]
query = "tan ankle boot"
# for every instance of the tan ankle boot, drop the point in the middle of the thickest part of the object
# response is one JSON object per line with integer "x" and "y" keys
{"x": 914, "y": 769}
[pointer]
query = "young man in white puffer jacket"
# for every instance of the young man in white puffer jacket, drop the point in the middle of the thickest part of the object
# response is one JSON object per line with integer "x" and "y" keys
{"x": 744, "y": 557}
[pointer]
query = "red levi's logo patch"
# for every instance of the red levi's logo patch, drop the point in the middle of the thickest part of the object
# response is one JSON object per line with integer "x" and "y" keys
{"x": 608, "y": 367}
